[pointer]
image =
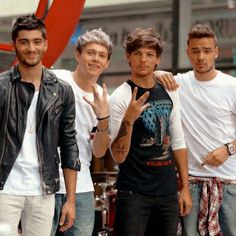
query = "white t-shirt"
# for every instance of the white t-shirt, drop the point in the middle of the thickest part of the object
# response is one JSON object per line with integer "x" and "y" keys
{"x": 84, "y": 122}
{"x": 208, "y": 112}
{"x": 24, "y": 178}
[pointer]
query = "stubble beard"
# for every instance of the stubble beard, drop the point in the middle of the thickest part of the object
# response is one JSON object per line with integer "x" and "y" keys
{"x": 205, "y": 71}
{"x": 24, "y": 62}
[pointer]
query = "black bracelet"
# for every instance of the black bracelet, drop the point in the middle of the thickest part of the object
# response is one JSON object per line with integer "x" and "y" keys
{"x": 102, "y": 130}
{"x": 103, "y": 118}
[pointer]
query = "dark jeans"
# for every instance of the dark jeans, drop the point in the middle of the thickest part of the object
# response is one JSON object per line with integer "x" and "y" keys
{"x": 139, "y": 215}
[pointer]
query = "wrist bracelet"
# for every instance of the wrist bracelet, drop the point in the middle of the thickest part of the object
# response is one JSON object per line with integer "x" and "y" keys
{"x": 102, "y": 130}
{"x": 103, "y": 118}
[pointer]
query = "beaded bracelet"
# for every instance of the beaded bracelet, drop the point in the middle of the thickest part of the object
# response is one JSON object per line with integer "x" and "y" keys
{"x": 102, "y": 130}
{"x": 103, "y": 118}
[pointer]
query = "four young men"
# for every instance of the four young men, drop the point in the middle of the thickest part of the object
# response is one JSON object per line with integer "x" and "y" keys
{"x": 147, "y": 138}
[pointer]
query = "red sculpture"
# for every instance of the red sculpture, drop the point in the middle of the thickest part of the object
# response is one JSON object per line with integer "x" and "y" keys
{"x": 61, "y": 20}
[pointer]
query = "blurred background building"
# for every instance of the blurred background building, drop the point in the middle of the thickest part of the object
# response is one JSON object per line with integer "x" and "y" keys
{"x": 171, "y": 18}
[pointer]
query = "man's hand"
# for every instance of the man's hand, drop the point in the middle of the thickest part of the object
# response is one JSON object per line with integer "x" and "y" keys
{"x": 67, "y": 216}
{"x": 121, "y": 145}
{"x": 136, "y": 107}
{"x": 99, "y": 104}
{"x": 166, "y": 79}
{"x": 185, "y": 201}
{"x": 216, "y": 157}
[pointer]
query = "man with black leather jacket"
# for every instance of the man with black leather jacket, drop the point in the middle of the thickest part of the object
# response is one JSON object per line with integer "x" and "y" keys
{"x": 37, "y": 114}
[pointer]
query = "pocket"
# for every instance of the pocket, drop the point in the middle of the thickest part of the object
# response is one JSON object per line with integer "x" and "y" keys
{"x": 231, "y": 189}
{"x": 58, "y": 108}
{"x": 124, "y": 194}
{"x": 174, "y": 197}
{"x": 195, "y": 188}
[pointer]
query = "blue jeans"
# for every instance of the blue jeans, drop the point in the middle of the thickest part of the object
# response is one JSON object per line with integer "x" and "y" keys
{"x": 139, "y": 215}
{"x": 227, "y": 212}
{"x": 85, "y": 214}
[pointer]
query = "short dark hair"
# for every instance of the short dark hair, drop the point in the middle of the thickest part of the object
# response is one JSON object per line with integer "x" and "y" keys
{"x": 199, "y": 31}
{"x": 141, "y": 37}
{"x": 29, "y": 22}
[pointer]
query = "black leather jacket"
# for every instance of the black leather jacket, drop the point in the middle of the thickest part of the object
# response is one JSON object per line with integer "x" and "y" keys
{"x": 55, "y": 116}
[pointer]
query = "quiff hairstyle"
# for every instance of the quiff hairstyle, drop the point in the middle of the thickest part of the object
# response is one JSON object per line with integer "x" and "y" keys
{"x": 141, "y": 37}
{"x": 199, "y": 31}
{"x": 29, "y": 22}
{"x": 94, "y": 36}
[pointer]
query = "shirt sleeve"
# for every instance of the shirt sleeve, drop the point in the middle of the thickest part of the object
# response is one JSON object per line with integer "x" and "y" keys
{"x": 118, "y": 105}
{"x": 176, "y": 130}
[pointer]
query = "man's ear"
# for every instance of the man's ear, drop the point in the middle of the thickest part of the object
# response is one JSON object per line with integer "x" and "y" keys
{"x": 108, "y": 63}
{"x": 46, "y": 45}
{"x": 187, "y": 51}
{"x": 216, "y": 52}
{"x": 158, "y": 61}
{"x": 127, "y": 58}
{"x": 127, "y": 55}
{"x": 13, "y": 46}
{"x": 77, "y": 55}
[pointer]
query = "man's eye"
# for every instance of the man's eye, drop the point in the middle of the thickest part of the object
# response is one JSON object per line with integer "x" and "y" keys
{"x": 23, "y": 42}
{"x": 37, "y": 42}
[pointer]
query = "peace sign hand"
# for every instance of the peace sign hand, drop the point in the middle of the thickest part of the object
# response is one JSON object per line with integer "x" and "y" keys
{"x": 136, "y": 107}
{"x": 100, "y": 103}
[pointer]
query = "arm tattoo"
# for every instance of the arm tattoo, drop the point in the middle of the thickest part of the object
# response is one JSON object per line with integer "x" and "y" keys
{"x": 121, "y": 148}
{"x": 122, "y": 131}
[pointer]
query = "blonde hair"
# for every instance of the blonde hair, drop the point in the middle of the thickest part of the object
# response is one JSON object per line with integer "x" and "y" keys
{"x": 95, "y": 36}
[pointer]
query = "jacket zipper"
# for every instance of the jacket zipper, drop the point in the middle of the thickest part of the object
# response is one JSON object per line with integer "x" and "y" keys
{"x": 44, "y": 186}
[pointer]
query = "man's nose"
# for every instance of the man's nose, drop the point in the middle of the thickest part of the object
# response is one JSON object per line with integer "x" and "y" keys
{"x": 200, "y": 55}
{"x": 31, "y": 46}
{"x": 143, "y": 57}
{"x": 96, "y": 56}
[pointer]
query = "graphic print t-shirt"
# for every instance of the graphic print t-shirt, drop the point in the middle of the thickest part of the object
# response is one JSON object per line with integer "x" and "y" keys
{"x": 149, "y": 167}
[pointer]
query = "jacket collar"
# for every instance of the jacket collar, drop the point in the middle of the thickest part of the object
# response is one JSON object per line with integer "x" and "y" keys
{"x": 47, "y": 76}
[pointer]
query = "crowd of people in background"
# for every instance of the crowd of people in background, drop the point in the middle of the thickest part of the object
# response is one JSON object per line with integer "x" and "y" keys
{"x": 173, "y": 137}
